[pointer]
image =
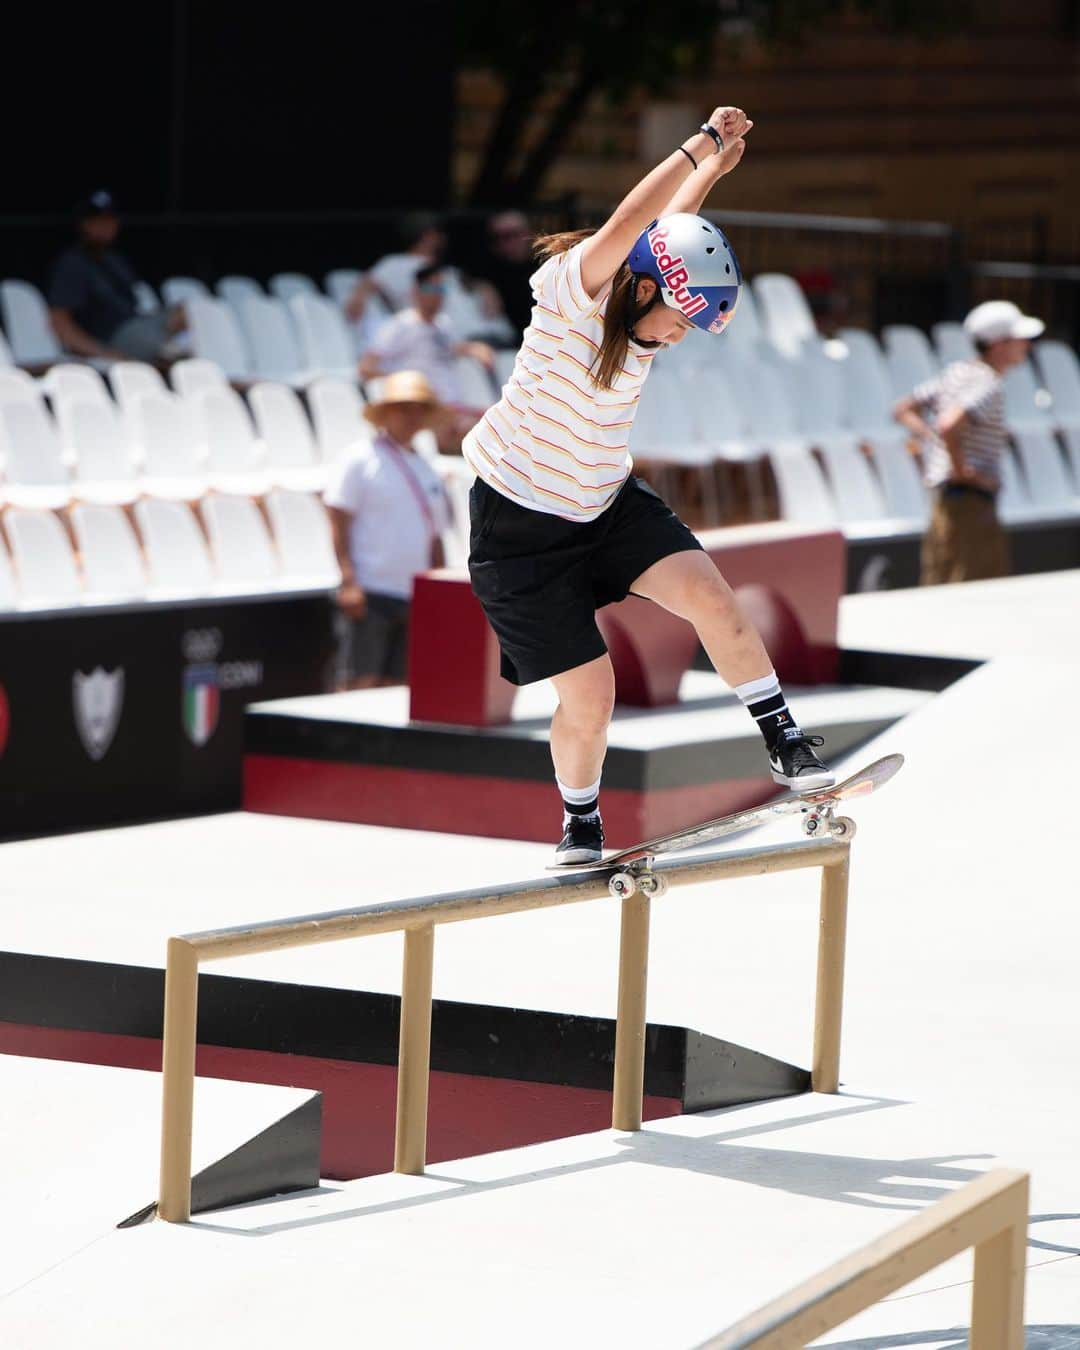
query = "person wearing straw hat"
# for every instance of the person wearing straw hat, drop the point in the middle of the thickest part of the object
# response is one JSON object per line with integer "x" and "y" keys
{"x": 388, "y": 510}
{"x": 959, "y": 415}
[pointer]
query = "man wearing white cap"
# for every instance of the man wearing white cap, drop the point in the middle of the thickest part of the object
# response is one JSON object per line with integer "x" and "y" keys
{"x": 959, "y": 416}
{"x": 388, "y": 510}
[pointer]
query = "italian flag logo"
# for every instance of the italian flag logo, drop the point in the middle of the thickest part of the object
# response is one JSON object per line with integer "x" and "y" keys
{"x": 201, "y": 703}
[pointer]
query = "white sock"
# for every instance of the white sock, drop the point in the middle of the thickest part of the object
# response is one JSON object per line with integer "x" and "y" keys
{"x": 575, "y": 798}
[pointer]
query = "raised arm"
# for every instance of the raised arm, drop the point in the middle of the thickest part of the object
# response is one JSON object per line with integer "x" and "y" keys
{"x": 603, "y": 252}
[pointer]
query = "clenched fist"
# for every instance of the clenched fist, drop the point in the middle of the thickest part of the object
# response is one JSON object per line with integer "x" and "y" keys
{"x": 730, "y": 123}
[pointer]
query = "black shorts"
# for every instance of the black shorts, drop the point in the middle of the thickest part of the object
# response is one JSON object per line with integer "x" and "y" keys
{"x": 541, "y": 579}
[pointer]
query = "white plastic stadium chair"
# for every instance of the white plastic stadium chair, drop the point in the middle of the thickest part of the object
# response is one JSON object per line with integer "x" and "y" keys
{"x": 785, "y": 313}
{"x": 666, "y": 433}
{"x": 182, "y": 290}
{"x": 868, "y": 396}
{"x": 803, "y": 492}
{"x": 17, "y": 386}
{"x": 131, "y": 380}
{"x": 1049, "y": 485}
{"x": 305, "y": 547}
{"x": 909, "y": 357}
{"x": 44, "y": 562}
{"x": 6, "y": 358}
{"x": 243, "y": 554}
{"x": 275, "y": 352}
{"x": 906, "y": 498}
{"x": 856, "y": 493}
{"x": 326, "y": 343}
{"x": 337, "y": 412}
{"x": 292, "y": 460}
{"x": 178, "y": 560}
{"x": 817, "y": 391}
{"x": 234, "y": 290}
{"x": 952, "y": 342}
{"x": 26, "y": 323}
{"x": 474, "y": 383}
{"x": 287, "y": 284}
{"x": 69, "y": 381}
{"x": 30, "y": 449}
{"x": 112, "y": 563}
{"x": 1060, "y": 372}
{"x": 216, "y": 336}
{"x": 234, "y": 455}
{"x": 1026, "y": 405}
{"x": 340, "y": 284}
{"x": 194, "y": 375}
{"x": 173, "y": 451}
{"x": 97, "y": 438}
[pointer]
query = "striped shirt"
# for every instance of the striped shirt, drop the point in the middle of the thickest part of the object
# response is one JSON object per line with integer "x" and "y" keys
{"x": 977, "y": 388}
{"x": 554, "y": 442}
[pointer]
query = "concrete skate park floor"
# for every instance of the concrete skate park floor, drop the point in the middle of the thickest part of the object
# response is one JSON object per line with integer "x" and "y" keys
{"x": 960, "y": 1049}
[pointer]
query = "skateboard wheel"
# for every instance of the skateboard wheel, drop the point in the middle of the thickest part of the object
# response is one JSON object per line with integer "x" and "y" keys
{"x": 653, "y": 885}
{"x": 843, "y": 827}
{"x": 622, "y": 885}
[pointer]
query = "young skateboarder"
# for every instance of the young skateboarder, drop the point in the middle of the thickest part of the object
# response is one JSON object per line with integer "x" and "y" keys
{"x": 559, "y": 527}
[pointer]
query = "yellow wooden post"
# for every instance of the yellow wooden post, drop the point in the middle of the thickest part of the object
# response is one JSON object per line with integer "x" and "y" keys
{"x": 629, "y": 1084}
{"x": 414, "y": 1051}
{"x": 829, "y": 1005}
{"x": 997, "y": 1293}
{"x": 178, "y": 1080}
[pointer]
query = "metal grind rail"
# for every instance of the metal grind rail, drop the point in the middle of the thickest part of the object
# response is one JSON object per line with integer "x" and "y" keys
{"x": 418, "y": 919}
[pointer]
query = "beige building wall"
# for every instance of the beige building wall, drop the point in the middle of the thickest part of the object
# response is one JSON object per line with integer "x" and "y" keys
{"x": 982, "y": 131}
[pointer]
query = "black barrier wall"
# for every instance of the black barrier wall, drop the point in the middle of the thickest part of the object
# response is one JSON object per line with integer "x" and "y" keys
{"x": 124, "y": 714}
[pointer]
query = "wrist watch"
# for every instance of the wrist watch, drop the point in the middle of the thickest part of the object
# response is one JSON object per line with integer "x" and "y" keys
{"x": 710, "y": 130}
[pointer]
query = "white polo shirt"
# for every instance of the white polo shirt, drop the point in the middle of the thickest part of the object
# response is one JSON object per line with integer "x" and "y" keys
{"x": 382, "y": 486}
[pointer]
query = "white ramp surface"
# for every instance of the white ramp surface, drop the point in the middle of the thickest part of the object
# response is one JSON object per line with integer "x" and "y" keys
{"x": 959, "y": 1054}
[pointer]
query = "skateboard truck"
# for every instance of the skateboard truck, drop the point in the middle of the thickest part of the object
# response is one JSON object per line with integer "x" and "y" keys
{"x": 820, "y": 820}
{"x": 637, "y": 876}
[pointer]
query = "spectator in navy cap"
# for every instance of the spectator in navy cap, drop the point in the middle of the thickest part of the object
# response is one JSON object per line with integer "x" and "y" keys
{"x": 92, "y": 301}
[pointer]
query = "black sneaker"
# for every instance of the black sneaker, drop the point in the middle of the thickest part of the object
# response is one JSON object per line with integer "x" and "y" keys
{"x": 582, "y": 841}
{"x": 793, "y": 762}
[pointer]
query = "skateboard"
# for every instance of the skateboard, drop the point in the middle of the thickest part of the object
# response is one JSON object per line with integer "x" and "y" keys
{"x": 631, "y": 866}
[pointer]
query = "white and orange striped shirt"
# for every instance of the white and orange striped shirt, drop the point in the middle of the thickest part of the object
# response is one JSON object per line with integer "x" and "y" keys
{"x": 555, "y": 442}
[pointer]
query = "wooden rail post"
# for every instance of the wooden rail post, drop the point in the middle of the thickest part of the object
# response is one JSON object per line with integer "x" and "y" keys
{"x": 997, "y": 1291}
{"x": 829, "y": 1005}
{"x": 414, "y": 1051}
{"x": 629, "y": 1084}
{"x": 178, "y": 1080}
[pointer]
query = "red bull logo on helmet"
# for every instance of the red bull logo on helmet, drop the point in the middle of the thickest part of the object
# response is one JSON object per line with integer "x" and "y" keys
{"x": 674, "y": 274}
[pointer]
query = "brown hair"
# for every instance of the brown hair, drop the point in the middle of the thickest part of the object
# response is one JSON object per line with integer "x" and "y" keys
{"x": 619, "y": 317}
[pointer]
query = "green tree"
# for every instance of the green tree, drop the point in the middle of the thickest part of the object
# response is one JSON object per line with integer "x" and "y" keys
{"x": 575, "y": 51}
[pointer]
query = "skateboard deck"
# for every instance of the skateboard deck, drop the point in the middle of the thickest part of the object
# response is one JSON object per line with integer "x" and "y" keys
{"x": 817, "y": 806}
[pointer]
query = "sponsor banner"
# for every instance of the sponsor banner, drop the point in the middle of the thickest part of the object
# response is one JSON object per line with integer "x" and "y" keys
{"x": 127, "y": 714}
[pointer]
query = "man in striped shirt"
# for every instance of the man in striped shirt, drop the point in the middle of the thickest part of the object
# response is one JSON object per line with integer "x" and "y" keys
{"x": 960, "y": 418}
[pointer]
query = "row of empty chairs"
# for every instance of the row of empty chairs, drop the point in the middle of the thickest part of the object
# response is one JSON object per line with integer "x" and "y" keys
{"x": 820, "y": 413}
{"x": 135, "y": 435}
{"x": 163, "y": 550}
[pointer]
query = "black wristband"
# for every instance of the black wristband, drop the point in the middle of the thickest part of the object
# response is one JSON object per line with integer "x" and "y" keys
{"x": 688, "y": 155}
{"x": 710, "y": 130}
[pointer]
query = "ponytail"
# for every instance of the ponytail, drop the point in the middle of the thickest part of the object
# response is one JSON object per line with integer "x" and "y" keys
{"x": 620, "y": 313}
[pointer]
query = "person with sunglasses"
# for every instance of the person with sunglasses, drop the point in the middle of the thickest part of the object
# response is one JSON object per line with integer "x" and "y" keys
{"x": 560, "y": 526}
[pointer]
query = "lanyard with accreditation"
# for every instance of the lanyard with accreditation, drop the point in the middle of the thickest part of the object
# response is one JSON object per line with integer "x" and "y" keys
{"x": 401, "y": 459}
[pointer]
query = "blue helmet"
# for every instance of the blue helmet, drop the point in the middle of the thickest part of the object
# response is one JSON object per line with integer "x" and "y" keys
{"x": 693, "y": 265}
